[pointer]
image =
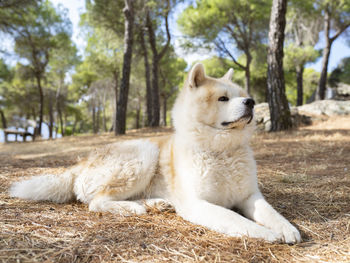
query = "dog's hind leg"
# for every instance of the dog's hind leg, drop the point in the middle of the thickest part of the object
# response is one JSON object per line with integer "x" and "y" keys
{"x": 123, "y": 174}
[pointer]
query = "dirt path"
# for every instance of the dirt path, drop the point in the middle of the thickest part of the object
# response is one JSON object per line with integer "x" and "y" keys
{"x": 304, "y": 174}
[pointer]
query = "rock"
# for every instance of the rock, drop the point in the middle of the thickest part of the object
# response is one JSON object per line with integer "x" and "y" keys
{"x": 263, "y": 121}
{"x": 342, "y": 91}
{"x": 303, "y": 115}
{"x": 326, "y": 107}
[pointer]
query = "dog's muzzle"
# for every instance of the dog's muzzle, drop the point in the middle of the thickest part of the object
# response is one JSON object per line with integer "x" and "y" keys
{"x": 247, "y": 116}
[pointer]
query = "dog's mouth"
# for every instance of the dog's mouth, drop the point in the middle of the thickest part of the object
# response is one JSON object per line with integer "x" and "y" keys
{"x": 246, "y": 118}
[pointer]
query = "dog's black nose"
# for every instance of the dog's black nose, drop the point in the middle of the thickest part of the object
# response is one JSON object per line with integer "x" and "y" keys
{"x": 249, "y": 103}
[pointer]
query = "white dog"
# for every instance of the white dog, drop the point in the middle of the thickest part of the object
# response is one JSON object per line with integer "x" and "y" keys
{"x": 204, "y": 169}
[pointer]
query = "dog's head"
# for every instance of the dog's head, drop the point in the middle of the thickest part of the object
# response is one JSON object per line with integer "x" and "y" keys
{"x": 215, "y": 108}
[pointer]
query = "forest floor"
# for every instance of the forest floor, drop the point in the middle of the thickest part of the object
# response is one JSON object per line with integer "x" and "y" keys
{"x": 304, "y": 174}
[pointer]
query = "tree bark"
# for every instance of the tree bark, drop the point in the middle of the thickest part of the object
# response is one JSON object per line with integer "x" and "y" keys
{"x": 41, "y": 97}
{"x": 299, "y": 73}
{"x": 124, "y": 87}
{"x": 94, "y": 119}
{"x": 98, "y": 117}
{"x": 51, "y": 119}
{"x": 155, "y": 64}
{"x": 165, "y": 109}
{"x": 155, "y": 106}
{"x": 148, "y": 79}
{"x": 278, "y": 104}
{"x": 247, "y": 72}
{"x": 58, "y": 105}
{"x": 321, "y": 88}
{"x": 116, "y": 79}
{"x": 3, "y": 119}
{"x": 59, "y": 111}
{"x": 137, "y": 117}
{"x": 104, "y": 119}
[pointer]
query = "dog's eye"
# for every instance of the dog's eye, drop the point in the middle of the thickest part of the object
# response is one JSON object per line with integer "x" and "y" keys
{"x": 223, "y": 98}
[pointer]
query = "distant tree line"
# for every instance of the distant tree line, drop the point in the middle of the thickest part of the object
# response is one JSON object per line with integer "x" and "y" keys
{"x": 129, "y": 73}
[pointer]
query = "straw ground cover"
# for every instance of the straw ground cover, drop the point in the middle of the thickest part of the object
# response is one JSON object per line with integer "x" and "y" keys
{"x": 304, "y": 174}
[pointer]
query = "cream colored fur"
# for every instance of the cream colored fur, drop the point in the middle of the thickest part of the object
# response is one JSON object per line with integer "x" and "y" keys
{"x": 204, "y": 169}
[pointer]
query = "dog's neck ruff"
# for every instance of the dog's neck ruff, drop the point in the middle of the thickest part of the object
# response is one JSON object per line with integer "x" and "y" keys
{"x": 205, "y": 137}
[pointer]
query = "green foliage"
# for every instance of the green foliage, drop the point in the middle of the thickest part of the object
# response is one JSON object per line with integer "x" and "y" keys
{"x": 107, "y": 14}
{"x": 230, "y": 27}
{"x": 42, "y": 29}
{"x": 310, "y": 82}
{"x": 225, "y": 25}
{"x": 5, "y": 72}
{"x": 341, "y": 73}
{"x": 295, "y": 56}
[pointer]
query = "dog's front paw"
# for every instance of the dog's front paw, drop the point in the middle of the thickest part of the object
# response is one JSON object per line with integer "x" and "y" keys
{"x": 289, "y": 233}
{"x": 264, "y": 233}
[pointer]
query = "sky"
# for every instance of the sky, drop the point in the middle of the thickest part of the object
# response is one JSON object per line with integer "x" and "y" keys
{"x": 340, "y": 48}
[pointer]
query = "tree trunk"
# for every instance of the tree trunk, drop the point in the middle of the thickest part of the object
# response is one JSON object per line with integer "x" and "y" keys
{"x": 124, "y": 87}
{"x": 59, "y": 111}
{"x": 155, "y": 89}
{"x": 116, "y": 79}
{"x": 321, "y": 88}
{"x": 247, "y": 73}
{"x": 94, "y": 119}
{"x": 300, "y": 72}
{"x": 155, "y": 64}
{"x": 137, "y": 117}
{"x": 155, "y": 94}
{"x": 165, "y": 109}
{"x": 41, "y": 96}
{"x": 51, "y": 119}
{"x": 3, "y": 119}
{"x": 278, "y": 104}
{"x": 148, "y": 79}
{"x": 98, "y": 117}
{"x": 58, "y": 106}
{"x": 74, "y": 126}
{"x": 104, "y": 119}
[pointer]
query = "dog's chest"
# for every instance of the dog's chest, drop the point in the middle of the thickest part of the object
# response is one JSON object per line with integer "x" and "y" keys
{"x": 224, "y": 178}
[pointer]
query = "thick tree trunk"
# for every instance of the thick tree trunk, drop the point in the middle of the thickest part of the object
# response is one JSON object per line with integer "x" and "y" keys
{"x": 3, "y": 119}
{"x": 124, "y": 87}
{"x": 300, "y": 93}
{"x": 278, "y": 104}
{"x": 148, "y": 79}
{"x": 321, "y": 88}
{"x": 41, "y": 97}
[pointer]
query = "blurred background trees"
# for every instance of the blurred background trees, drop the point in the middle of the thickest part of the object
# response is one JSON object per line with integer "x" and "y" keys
{"x": 131, "y": 66}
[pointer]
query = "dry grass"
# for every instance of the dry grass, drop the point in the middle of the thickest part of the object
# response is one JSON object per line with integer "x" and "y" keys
{"x": 304, "y": 174}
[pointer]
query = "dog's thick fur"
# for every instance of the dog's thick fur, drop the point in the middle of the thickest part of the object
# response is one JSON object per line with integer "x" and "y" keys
{"x": 204, "y": 169}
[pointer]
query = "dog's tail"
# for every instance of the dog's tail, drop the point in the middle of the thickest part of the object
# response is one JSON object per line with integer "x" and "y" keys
{"x": 49, "y": 187}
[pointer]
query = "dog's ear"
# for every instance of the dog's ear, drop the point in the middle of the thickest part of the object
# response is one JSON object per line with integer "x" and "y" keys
{"x": 196, "y": 76}
{"x": 228, "y": 74}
